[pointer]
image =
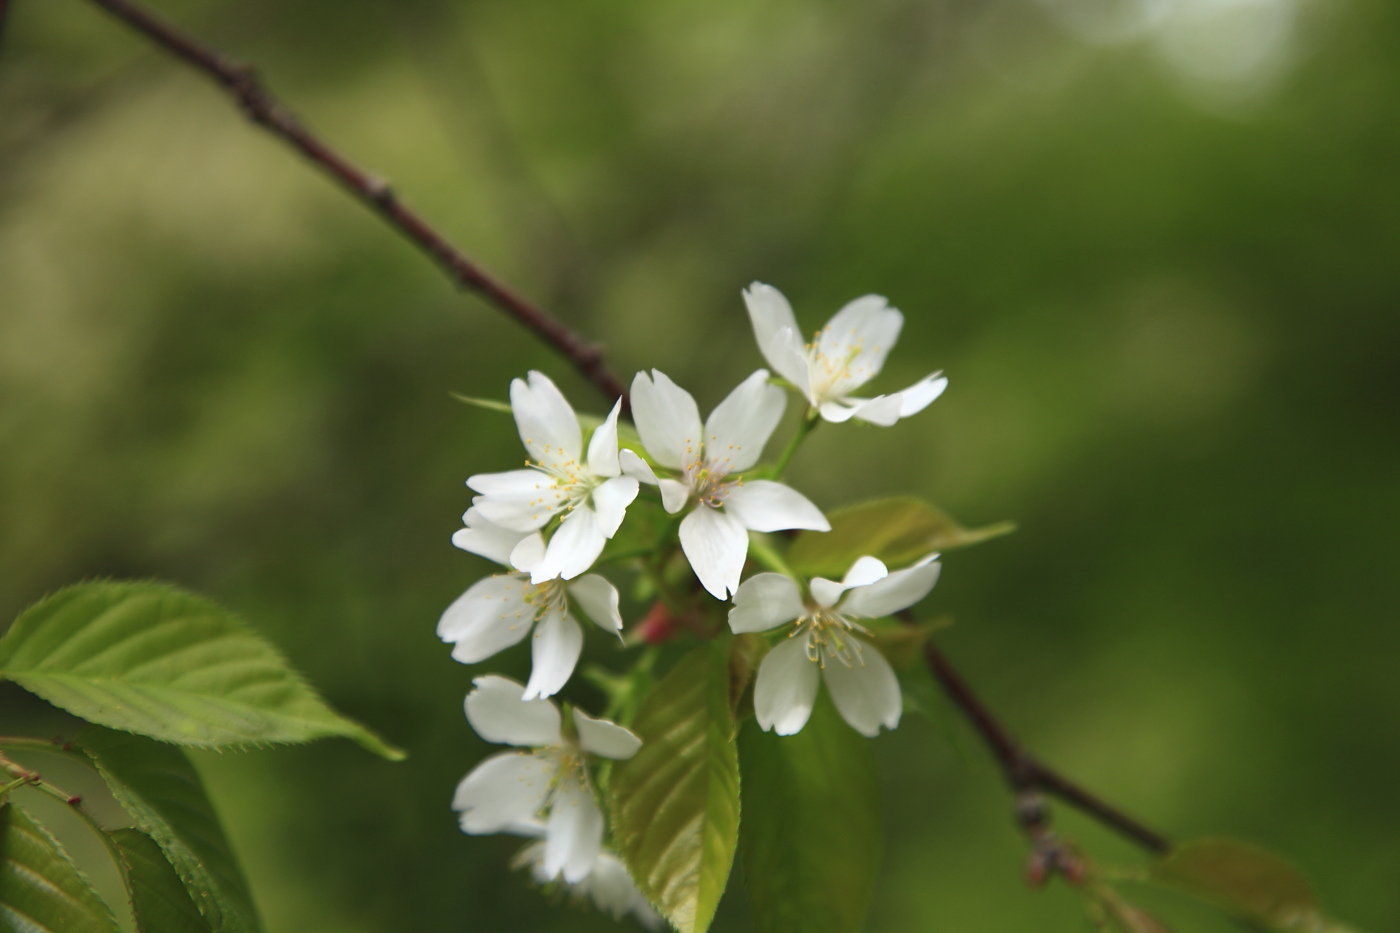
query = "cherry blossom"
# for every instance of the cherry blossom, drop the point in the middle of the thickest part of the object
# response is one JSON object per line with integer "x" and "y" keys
{"x": 845, "y": 354}
{"x": 826, "y": 642}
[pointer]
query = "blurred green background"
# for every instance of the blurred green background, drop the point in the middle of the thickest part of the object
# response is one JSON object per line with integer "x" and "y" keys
{"x": 1152, "y": 242}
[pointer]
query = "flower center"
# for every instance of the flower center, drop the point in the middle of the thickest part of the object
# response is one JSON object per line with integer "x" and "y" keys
{"x": 546, "y": 598}
{"x": 708, "y": 481}
{"x": 573, "y": 483}
{"x": 830, "y": 635}
{"x": 835, "y": 375}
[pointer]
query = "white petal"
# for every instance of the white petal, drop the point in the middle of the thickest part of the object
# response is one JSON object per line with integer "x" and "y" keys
{"x": 527, "y": 555}
{"x": 499, "y": 712}
{"x": 775, "y": 328}
{"x": 553, "y": 653}
{"x": 530, "y": 829}
{"x": 885, "y": 410}
{"x": 602, "y": 446}
{"x": 865, "y": 571}
{"x": 867, "y": 695}
{"x": 763, "y": 601}
{"x": 786, "y": 687}
{"x": 574, "y": 833}
{"x": 610, "y": 887}
{"x": 764, "y": 505}
{"x": 882, "y": 410}
{"x": 716, "y": 545}
{"x": 899, "y": 590}
{"x": 485, "y": 538}
{"x": 521, "y": 500}
{"x": 740, "y": 425}
{"x": 572, "y": 549}
{"x": 667, "y": 419}
{"x": 489, "y": 617}
{"x": 547, "y": 422}
{"x": 634, "y": 466}
{"x": 674, "y": 495}
{"x": 533, "y": 857}
{"x": 608, "y": 739}
{"x": 610, "y": 501}
{"x": 838, "y": 412}
{"x": 856, "y": 340}
{"x": 598, "y": 599}
{"x": 825, "y": 591}
{"x": 503, "y": 791}
{"x": 919, "y": 395}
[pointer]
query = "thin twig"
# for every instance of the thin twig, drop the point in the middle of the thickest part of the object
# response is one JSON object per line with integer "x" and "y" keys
{"x": 374, "y": 192}
{"x": 1027, "y": 775}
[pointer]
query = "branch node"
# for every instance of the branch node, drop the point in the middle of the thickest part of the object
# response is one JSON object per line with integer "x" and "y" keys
{"x": 380, "y": 190}
{"x": 1031, "y": 811}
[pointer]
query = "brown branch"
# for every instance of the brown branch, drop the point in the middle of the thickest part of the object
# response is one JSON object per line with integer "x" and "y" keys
{"x": 375, "y": 193}
{"x": 1029, "y": 778}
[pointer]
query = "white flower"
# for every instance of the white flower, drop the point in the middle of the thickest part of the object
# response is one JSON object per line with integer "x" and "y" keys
{"x": 497, "y": 612}
{"x": 607, "y": 883}
{"x": 844, "y": 355}
{"x": 714, "y": 536}
{"x": 823, "y": 642}
{"x": 590, "y": 494}
{"x": 511, "y": 791}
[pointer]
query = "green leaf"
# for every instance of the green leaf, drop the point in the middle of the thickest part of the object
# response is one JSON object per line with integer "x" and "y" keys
{"x": 626, "y": 433}
{"x": 899, "y": 531}
{"x": 489, "y": 404}
{"x": 903, "y": 645}
{"x": 643, "y": 533}
{"x": 812, "y": 833}
{"x": 1125, "y": 917}
{"x": 164, "y": 796}
{"x": 156, "y": 660}
{"x": 675, "y": 804}
{"x": 41, "y": 890}
{"x": 159, "y": 900}
{"x": 1248, "y": 881}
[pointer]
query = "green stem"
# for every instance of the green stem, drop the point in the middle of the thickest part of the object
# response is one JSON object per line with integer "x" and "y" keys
{"x": 761, "y": 551}
{"x": 28, "y": 741}
{"x": 26, "y": 776}
{"x": 809, "y": 423}
{"x": 667, "y": 543}
{"x": 17, "y": 782}
{"x": 33, "y": 778}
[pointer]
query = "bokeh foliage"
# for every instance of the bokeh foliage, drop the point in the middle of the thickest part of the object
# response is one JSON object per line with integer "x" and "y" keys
{"x": 1166, "y": 299}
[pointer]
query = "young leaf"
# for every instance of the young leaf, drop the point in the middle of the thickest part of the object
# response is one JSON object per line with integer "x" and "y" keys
{"x": 811, "y": 841}
{"x": 675, "y": 804}
{"x": 488, "y": 404}
{"x": 41, "y": 890}
{"x": 1125, "y": 917}
{"x": 626, "y": 434}
{"x": 1246, "y": 880}
{"x": 156, "y": 660}
{"x": 898, "y": 531}
{"x": 159, "y": 900}
{"x": 164, "y": 796}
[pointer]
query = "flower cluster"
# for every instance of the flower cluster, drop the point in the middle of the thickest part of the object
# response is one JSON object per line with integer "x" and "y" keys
{"x": 549, "y": 523}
